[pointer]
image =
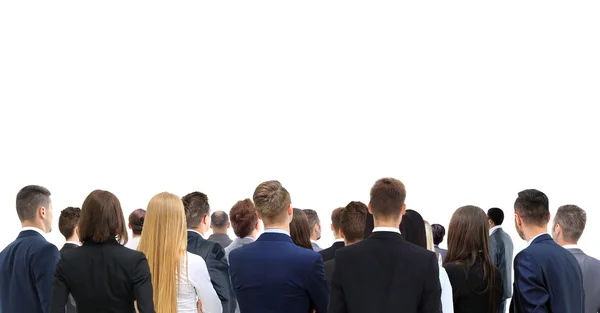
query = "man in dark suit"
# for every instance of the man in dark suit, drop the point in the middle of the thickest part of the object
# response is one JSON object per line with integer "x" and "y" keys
{"x": 27, "y": 264}
{"x": 438, "y": 231}
{"x": 67, "y": 225}
{"x": 329, "y": 253}
{"x": 547, "y": 277}
{"x": 384, "y": 272}
{"x": 501, "y": 252}
{"x": 569, "y": 224}
{"x": 197, "y": 216}
{"x": 219, "y": 223}
{"x": 272, "y": 274}
{"x": 351, "y": 221}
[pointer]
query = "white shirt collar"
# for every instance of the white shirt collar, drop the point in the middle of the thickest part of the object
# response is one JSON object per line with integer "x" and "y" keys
{"x": 532, "y": 239}
{"x": 39, "y": 231}
{"x": 575, "y": 246}
{"x": 313, "y": 241}
{"x": 248, "y": 237}
{"x": 197, "y": 232}
{"x": 390, "y": 229}
{"x": 277, "y": 231}
{"x": 339, "y": 240}
{"x": 493, "y": 229}
{"x": 73, "y": 242}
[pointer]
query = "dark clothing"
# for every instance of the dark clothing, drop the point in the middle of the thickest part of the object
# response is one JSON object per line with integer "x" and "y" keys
{"x": 102, "y": 278}
{"x": 329, "y": 268}
{"x": 384, "y": 273}
{"x": 26, "y": 269}
{"x": 441, "y": 251}
{"x": 468, "y": 285}
{"x": 329, "y": 253}
{"x": 217, "y": 266}
{"x": 221, "y": 239}
{"x": 71, "y": 307}
{"x": 501, "y": 253}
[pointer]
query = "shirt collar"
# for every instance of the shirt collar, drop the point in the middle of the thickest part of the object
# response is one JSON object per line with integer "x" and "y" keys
{"x": 575, "y": 246}
{"x": 277, "y": 231}
{"x": 532, "y": 239}
{"x": 197, "y": 232}
{"x": 39, "y": 231}
{"x": 73, "y": 243}
{"x": 390, "y": 229}
{"x": 493, "y": 229}
{"x": 248, "y": 237}
{"x": 313, "y": 241}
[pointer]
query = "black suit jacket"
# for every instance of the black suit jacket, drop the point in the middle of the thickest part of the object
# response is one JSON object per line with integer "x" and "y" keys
{"x": 71, "y": 307}
{"x": 385, "y": 273}
{"x": 329, "y": 268}
{"x": 329, "y": 253}
{"x": 468, "y": 285}
{"x": 103, "y": 278}
{"x": 217, "y": 265}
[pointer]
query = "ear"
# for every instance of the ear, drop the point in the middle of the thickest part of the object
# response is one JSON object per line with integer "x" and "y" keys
{"x": 518, "y": 220}
{"x": 548, "y": 217}
{"x": 228, "y": 224}
{"x": 332, "y": 229}
{"x": 257, "y": 226}
{"x": 342, "y": 234}
{"x": 403, "y": 209}
{"x": 258, "y": 215}
{"x": 290, "y": 210}
{"x": 42, "y": 212}
{"x": 205, "y": 220}
{"x": 129, "y": 225}
{"x": 369, "y": 209}
{"x": 210, "y": 226}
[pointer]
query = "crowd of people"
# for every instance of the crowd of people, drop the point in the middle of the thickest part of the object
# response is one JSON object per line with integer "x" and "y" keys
{"x": 385, "y": 258}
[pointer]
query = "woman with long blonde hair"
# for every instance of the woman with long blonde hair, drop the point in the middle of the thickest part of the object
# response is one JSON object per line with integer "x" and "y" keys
{"x": 180, "y": 279}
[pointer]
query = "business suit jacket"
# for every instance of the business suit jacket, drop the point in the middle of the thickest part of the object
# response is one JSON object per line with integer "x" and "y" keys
{"x": 590, "y": 268}
{"x": 501, "y": 253}
{"x": 237, "y": 243}
{"x": 441, "y": 251}
{"x": 26, "y": 269}
{"x": 385, "y": 273}
{"x": 329, "y": 269}
{"x": 273, "y": 275}
{"x": 467, "y": 289}
{"x": 221, "y": 239}
{"x": 329, "y": 253}
{"x": 104, "y": 278}
{"x": 315, "y": 246}
{"x": 217, "y": 265}
{"x": 71, "y": 305}
{"x": 547, "y": 279}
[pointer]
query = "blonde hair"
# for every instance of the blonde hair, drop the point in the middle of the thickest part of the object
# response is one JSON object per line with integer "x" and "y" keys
{"x": 164, "y": 242}
{"x": 429, "y": 236}
{"x": 271, "y": 200}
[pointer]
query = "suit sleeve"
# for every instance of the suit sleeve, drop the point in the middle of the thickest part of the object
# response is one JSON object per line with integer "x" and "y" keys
{"x": 337, "y": 300}
{"x": 142, "y": 286}
{"x": 219, "y": 277}
{"x": 494, "y": 251}
{"x": 318, "y": 289}
{"x": 60, "y": 291}
{"x": 529, "y": 286}
{"x": 432, "y": 291}
{"x": 43, "y": 265}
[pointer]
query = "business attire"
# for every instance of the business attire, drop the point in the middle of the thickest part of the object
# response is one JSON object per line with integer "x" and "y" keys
{"x": 133, "y": 243}
{"x": 447, "y": 297}
{"x": 103, "y": 278}
{"x": 237, "y": 243}
{"x": 385, "y": 273}
{"x": 547, "y": 279}
{"x": 468, "y": 287}
{"x": 26, "y": 269}
{"x": 590, "y": 268}
{"x": 501, "y": 253}
{"x": 441, "y": 251}
{"x": 329, "y": 253}
{"x": 71, "y": 306}
{"x": 315, "y": 246}
{"x": 194, "y": 283}
{"x": 273, "y": 275}
{"x": 221, "y": 239}
{"x": 218, "y": 269}
{"x": 329, "y": 269}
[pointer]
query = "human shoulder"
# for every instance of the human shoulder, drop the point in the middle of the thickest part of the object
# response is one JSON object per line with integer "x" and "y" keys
{"x": 194, "y": 259}
{"x": 44, "y": 248}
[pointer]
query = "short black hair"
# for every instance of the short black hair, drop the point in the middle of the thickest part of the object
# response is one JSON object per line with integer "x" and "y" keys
{"x": 68, "y": 220}
{"x": 30, "y": 199}
{"x": 496, "y": 215}
{"x": 219, "y": 220}
{"x": 196, "y": 207}
{"x": 438, "y": 232}
{"x": 533, "y": 207}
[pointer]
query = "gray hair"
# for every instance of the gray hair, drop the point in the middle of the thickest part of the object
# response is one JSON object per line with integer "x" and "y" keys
{"x": 571, "y": 219}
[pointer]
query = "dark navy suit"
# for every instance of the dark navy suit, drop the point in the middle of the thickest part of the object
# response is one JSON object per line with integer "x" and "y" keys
{"x": 273, "y": 275}
{"x": 547, "y": 279}
{"x": 26, "y": 271}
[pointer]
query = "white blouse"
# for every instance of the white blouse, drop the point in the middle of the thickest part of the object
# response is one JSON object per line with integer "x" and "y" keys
{"x": 447, "y": 300}
{"x": 195, "y": 285}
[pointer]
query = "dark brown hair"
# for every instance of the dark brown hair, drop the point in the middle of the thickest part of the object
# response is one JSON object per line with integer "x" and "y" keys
{"x": 136, "y": 220}
{"x": 300, "y": 230}
{"x": 243, "y": 218}
{"x": 271, "y": 200}
{"x": 387, "y": 198}
{"x": 196, "y": 207}
{"x": 468, "y": 243}
{"x": 352, "y": 221}
{"x": 30, "y": 199}
{"x": 533, "y": 207}
{"x": 335, "y": 219}
{"x": 67, "y": 221}
{"x": 102, "y": 218}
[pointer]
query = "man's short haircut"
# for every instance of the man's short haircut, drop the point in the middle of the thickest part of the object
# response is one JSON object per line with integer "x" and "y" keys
{"x": 243, "y": 218}
{"x": 30, "y": 199}
{"x": 438, "y": 232}
{"x": 571, "y": 219}
{"x": 68, "y": 220}
{"x": 219, "y": 220}
{"x": 387, "y": 198}
{"x": 313, "y": 217}
{"x": 335, "y": 219}
{"x": 496, "y": 215}
{"x": 196, "y": 208}
{"x": 271, "y": 200}
{"x": 352, "y": 220}
{"x": 136, "y": 220}
{"x": 533, "y": 207}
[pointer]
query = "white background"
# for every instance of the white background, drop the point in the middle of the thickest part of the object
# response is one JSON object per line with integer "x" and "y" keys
{"x": 466, "y": 103}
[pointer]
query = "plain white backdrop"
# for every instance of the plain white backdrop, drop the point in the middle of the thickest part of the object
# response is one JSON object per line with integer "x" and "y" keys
{"x": 466, "y": 103}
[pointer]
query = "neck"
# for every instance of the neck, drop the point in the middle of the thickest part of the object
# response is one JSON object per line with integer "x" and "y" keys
{"x": 285, "y": 227}
{"x": 394, "y": 223}
{"x": 533, "y": 231}
{"x": 74, "y": 239}
{"x": 337, "y": 236}
{"x": 561, "y": 242}
{"x": 254, "y": 234}
{"x": 38, "y": 225}
{"x": 218, "y": 231}
{"x": 136, "y": 235}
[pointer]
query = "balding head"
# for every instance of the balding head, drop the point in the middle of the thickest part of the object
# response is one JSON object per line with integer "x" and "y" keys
{"x": 219, "y": 222}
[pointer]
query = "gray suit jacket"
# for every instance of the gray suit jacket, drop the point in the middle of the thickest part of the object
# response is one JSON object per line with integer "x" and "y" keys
{"x": 501, "y": 252}
{"x": 316, "y": 247}
{"x": 590, "y": 268}
{"x": 237, "y": 243}
{"x": 441, "y": 251}
{"x": 221, "y": 239}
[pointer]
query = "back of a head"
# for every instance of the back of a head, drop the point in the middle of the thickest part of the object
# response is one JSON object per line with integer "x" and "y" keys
{"x": 196, "y": 208}
{"x": 68, "y": 220}
{"x": 30, "y": 199}
{"x": 352, "y": 221}
{"x": 572, "y": 220}
{"x": 243, "y": 218}
{"x": 412, "y": 228}
{"x": 438, "y": 233}
{"x": 136, "y": 220}
{"x": 387, "y": 199}
{"x": 219, "y": 220}
{"x": 164, "y": 243}
{"x": 335, "y": 220}
{"x": 533, "y": 207}
{"x": 313, "y": 217}
{"x": 272, "y": 201}
{"x": 496, "y": 215}
{"x": 102, "y": 218}
{"x": 300, "y": 230}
